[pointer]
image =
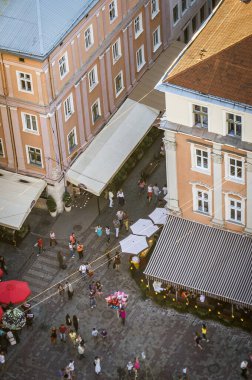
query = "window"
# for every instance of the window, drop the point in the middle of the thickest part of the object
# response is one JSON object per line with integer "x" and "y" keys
{"x": 154, "y": 8}
{"x": 89, "y": 37}
{"x": 200, "y": 158}
{"x": 63, "y": 66}
{"x": 194, "y": 24}
{"x": 93, "y": 78}
{"x": 200, "y": 116}
{"x": 29, "y": 123}
{"x": 183, "y": 5}
{"x": 234, "y": 125}
{"x": 175, "y": 14}
{"x": 72, "y": 140}
{"x": 34, "y": 156}
{"x": 119, "y": 83}
{"x": 202, "y": 200}
{"x": 234, "y": 169}
{"x": 68, "y": 107}
{"x": 138, "y": 25}
{"x": 112, "y": 10}
{"x": 156, "y": 39}
{"x": 96, "y": 111}
{"x": 202, "y": 14}
{"x": 24, "y": 82}
{"x": 140, "y": 58}
{"x": 186, "y": 35}
{"x": 1, "y": 148}
{"x": 235, "y": 209}
{"x": 116, "y": 50}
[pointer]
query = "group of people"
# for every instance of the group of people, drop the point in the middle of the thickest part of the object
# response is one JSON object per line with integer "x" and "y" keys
{"x": 199, "y": 337}
{"x": 153, "y": 191}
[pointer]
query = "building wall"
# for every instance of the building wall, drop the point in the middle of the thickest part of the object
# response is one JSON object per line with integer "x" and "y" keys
{"x": 45, "y": 100}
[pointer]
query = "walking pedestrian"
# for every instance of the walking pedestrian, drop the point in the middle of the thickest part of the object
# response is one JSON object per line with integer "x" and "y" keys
{"x": 97, "y": 364}
{"x": 70, "y": 291}
{"x": 53, "y": 335}
{"x": 68, "y": 320}
{"x": 62, "y": 331}
{"x": 120, "y": 215}
{"x": 98, "y": 230}
{"x": 71, "y": 250}
{"x": 72, "y": 239}
{"x": 126, "y": 221}
{"x": 83, "y": 270}
{"x": 72, "y": 336}
{"x": 81, "y": 351}
{"x": 141, "y": 186}
{"x": 108, "y": 256}
{"x": 204, "y": 332}
{"x": 3, "y": 265}
{"x": 92, "y": 301}
{"x": 61, "y": 292}
{"x": 130, "y": 367}
{"x": 99, "y": 287}
{"x": 40, "y": 246}
{"x": 71, "y": 368}
{"x": 244, "y": 369}
{"x": 137, "y": 364}
{"x": 95, "y": 334}
{"x": 2, "y": 361}
{"x": 53, "y": 241}
{"x": 120, "y": 197}
{"x": 75, "y": 323}
{"x": 122, "y": 315}
{"x": 156, "y": 193}
{"x": 165, "y": 190}
{"x": 197, "y": 339}
{"x": 149, "y": 193}
{"x": 116, "y": 224}
{"x": 80, "y": 249}
{"x": 111, "y": 198}
{"x": 104, "y": 334}
{"x": 107, "y": 232}
{"x": 61, "y": 260}
{"x": 117, "y": 261}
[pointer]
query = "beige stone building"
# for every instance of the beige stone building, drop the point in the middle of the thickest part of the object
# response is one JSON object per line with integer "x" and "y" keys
{"x": 207, "y": 126}
{"x": 67, "y": 68}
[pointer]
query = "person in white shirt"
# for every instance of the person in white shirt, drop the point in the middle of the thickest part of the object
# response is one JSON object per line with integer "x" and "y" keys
{"x": 97, "y": 363}
{"x": 52, "y": 239}
{"x": 95, "y": 334}
{"x": 2, "y": 360}
{"x": 130, "y": 367}
{"x": 165, "y": 191}
{"x": 149, "y": 193}
{"x": 83, "y": 270}
{"x": 111, "y": 198}
{"x": 120, "y": 196}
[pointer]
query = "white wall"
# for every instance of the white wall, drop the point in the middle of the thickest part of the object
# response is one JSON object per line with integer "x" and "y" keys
{"x": 179, "y": 111}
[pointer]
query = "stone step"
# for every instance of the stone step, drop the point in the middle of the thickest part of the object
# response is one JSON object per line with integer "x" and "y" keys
{"x": 90, "y": 237}
{"x": 38, "y": 282}
{"x": 47, "y": 277}
{"x": 48, "y": 261}
{"x": 45, "y": 267}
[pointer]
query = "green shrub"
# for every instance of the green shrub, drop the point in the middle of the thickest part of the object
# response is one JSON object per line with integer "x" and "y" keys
{"x": 51, "y": 204}
{"x": 67, "y": 199}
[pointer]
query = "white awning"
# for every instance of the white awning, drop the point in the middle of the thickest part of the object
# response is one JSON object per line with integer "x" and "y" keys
{"x": 112, "y": 146}
{"x": 19, "y": 193}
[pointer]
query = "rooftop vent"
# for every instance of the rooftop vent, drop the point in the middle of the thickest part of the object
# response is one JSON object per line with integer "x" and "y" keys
{"x": 23, "y": 181}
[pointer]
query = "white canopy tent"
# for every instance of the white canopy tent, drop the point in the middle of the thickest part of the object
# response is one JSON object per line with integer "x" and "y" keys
{"x": 105, "y": 155}
{"x": 159, "y": 215}
{"x": 19, "y": 194}
{"x": 133, "y": 244}
{"x": 144, "y": 227}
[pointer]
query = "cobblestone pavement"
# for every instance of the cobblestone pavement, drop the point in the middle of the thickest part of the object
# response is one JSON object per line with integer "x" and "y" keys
{"x": 165, "y": 336}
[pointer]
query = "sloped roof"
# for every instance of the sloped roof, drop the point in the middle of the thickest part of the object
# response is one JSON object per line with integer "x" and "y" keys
{"x": 35, "y": 27}
{"x": 218, "y": 61}
{"x": 203, "y": 259}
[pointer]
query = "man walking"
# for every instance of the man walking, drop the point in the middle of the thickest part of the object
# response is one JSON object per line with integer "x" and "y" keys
{"x": 71, "y": 249}
{"x": 197, "y": 339}
{"x": 120, "y": 215}
{"x": 92, "y": 300}
{"x": 156, "y": 193}
{"x": 116, "y": 224}
{"x": 83, "y": 270}
{"x": 107, "y": 232}
{"x": 80, "y": 249}
{"x": 62, "y": 331}
{"x": 111, "y": 198}
{"x": 53, "y": 241}
{"x": 40, "y": 246}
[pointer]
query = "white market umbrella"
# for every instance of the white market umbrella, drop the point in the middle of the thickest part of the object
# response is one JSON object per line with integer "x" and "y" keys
{"x": 159, "y": 215}
{"x": 144, "y": 227}
{"x": 133, "y": 244}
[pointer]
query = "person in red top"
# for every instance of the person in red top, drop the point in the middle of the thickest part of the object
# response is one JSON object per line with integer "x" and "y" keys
{"x": 40, "y": 245}
{"x": 72, "y": 239}
{"x": 62, "y": 331}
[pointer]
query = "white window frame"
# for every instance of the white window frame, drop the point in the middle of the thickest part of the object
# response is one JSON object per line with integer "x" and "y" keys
{"x": 90, "y": 37}
{"x": 70, "y": 150}
{"x": 19, "y": 80}
{"x": 68, "y": 101}
{"x": 201, "y": 113}
{"x": 228, "y": 199}
{"x": 93, "y": 78}
{"x": 175, "y": 22}
{"x": 63, "y": 64}
{"x": 156, "y": 46}
{"x": 28, "y": 157}
{"x": 116, "y": 47}
{"x": 139, "y": 22}
{"x": 154, "y": 11}
{"x": 235, "y": 122}
{"x": 113, "y": 9}
{"x": 117, "y": 93}
{"x": 2, "y": 147}
{"x": 234, "y": 178}
{"x": 200, "y": 168}
{"x": 25, "y": 129}
{"x": 139, "y": 67}
{"x": 195, "y": 190}
{"x": 183, "y": 11}
{"x": 99, "y": 109}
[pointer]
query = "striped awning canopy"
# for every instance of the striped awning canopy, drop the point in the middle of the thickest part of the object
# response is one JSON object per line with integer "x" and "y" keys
{"x": 204, "y": 259}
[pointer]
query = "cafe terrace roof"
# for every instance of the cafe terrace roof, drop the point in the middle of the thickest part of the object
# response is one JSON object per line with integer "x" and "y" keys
{"x": 203, "y": 259}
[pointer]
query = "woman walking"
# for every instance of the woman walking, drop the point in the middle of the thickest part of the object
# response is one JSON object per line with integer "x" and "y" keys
{"x": 97, "y": 364}
{"x": 53, "y": 335}
{"x": 68, "y": 320}
{"x": 120, "y": 197}
{"x": 75, "y": 323}
{"x": 70, "y": 290}
{"x": 98, "y": 230}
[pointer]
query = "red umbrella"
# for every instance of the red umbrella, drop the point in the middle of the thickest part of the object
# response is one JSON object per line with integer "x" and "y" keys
{"x": 14, "y": 291}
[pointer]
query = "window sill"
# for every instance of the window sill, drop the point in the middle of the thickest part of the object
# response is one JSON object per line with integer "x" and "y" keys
{"x": 240, "y": 224}
{"x": 157, "y": 47}
{"x": 26, "y": 91}
{"x": 202, "y": 213}
{"x": 89, "y": 47}
{"x": 235, "y": 180}
{"x": 138, "y": 34}
{"x": 68, "y": 116}
{"x": 116, "y": 60}
{"x": 139, "y": 68}
{"x": 175, "y": 23}
{"x": 70, "y": 150}
{"x": 119, "y": 92}
{"x": 63, "y": 76}
{"x": 98, "y": 118}
{"x": 111, "y": 21}
{"x": 200, "y": 126}
{"x": 36, "y": 133}
{"x": 153, "y": 15}
{"x": 235, "y": 136}
{"x": 93, "y": 86}
{"x": 202, "y": 171}
{"x": 35, "y": 165}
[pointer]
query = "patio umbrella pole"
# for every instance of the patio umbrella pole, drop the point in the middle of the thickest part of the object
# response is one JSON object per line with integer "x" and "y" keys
{"x": 232, "y": 309}
{"x": 98, "y": 205}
